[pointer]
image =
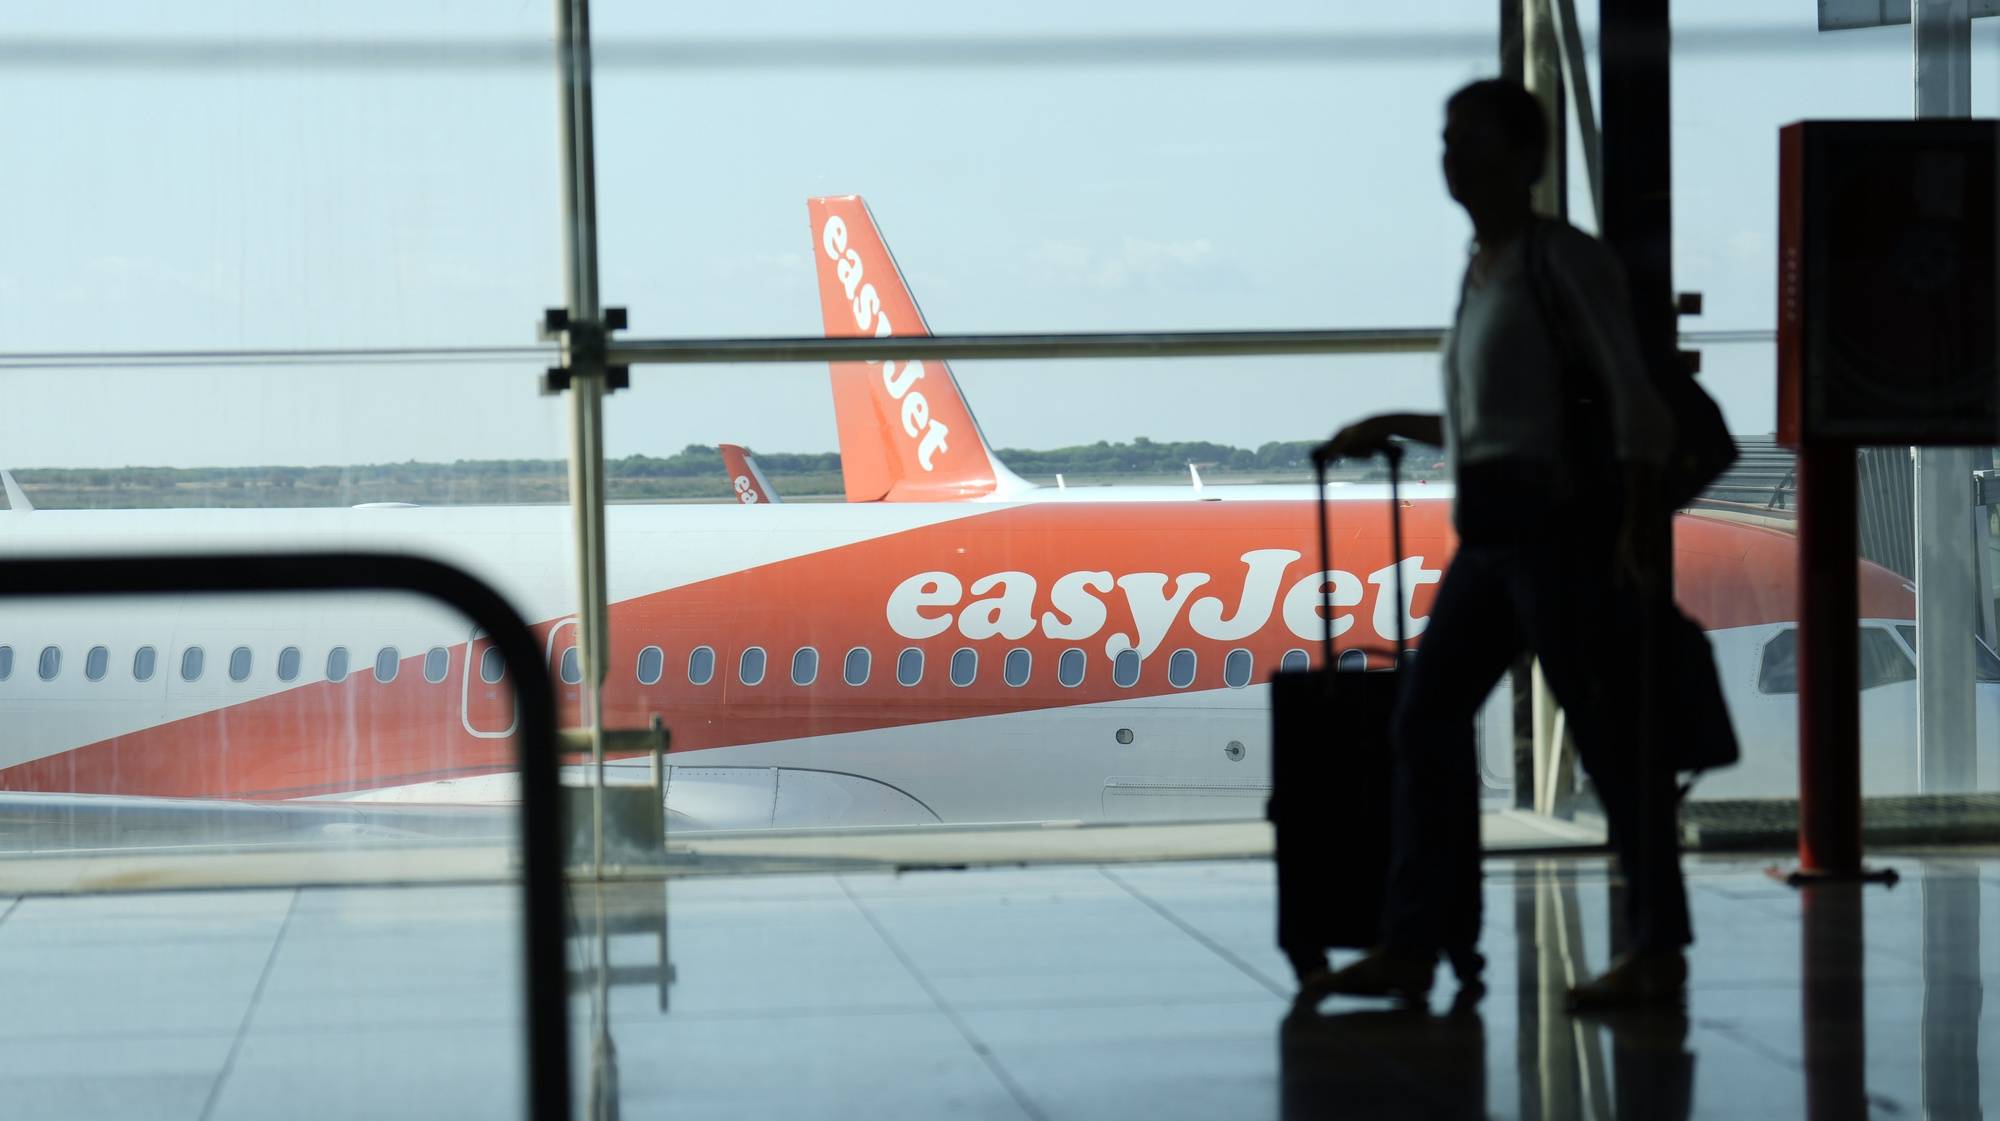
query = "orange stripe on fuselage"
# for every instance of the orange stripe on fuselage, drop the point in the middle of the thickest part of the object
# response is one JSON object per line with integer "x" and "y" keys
{"x": 362, "y": 734}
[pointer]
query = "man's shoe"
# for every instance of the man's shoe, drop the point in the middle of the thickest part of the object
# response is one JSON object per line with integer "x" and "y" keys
{"x": 1379, "y": 972}
{"x": 1642, "y": 979}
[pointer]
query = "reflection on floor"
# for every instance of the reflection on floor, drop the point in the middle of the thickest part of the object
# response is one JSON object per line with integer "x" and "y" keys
{"x": 1143, "y": 991}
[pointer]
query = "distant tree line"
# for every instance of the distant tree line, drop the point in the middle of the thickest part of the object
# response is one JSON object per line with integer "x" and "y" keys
{"x": 693, "y": 473}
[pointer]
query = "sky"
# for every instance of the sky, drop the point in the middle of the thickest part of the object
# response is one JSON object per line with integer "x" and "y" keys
{"x": 217, "y": 207}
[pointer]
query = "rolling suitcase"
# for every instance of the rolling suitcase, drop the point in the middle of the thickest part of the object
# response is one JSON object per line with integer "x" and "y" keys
{"x": 1331, "y": 780}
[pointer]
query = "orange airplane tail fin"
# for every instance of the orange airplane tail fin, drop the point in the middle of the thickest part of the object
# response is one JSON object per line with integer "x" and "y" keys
{"x": 746, "y": 479}
{"x": 906, "y": 433}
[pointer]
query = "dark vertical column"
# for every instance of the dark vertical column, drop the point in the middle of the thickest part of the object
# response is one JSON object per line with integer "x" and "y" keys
{"x": 1638, "y": 161}
{"x": 1829, "y": 665}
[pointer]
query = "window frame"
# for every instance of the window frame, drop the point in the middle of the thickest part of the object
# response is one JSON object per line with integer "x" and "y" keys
{"x": 903, "y": 656}
{"x": 763, "y": 666}
{"x": 443, "y": 658}
{"x": 344, "y": 659}
{"x": 1081, "y": 661}
{"x": 298, "y": 659}
{"x": 1194, "y": 667}
{"x": 847, "y": 666}
{"x": 951, "y": 668}
{"x": 802, "y": 651}
{"x": 696, "y": 654}
{"x": 151, "y": 656}
{"x": 243, "y": 654}
{"x": 194, "y": 663}
{"x": 96, "y": 663}
{"x": 395, "y": 658}
{"x": 1138, "y": 667}
{"x": 1249, "y": 661}
{"x": 659, "y": 665}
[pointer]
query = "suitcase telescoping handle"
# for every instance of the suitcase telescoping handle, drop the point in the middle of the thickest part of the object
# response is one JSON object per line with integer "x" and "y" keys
{"x": 1393, "y": 455}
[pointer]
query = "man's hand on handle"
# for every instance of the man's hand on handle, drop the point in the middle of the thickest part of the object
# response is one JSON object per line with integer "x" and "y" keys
{"x": 1378, "y": 434}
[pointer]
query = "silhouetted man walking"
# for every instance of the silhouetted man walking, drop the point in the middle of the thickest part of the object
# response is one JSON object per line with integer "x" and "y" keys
{"x": 1556, "y": 436}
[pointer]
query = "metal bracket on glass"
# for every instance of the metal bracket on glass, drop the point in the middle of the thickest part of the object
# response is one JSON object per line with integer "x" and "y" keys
{"x": 585, "y": 344}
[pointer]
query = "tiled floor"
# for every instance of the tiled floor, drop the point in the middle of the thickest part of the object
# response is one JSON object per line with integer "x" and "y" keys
{"x": 1142, "y": 991}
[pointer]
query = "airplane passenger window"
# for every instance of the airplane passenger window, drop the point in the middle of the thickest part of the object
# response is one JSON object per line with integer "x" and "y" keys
{"x": 239, "y": 663}
{"x": 437, "y": 663}
{"x": 1016, "y": 668}
{"x": 570, "y": 667}
{"x": 95, "y": 663}
{"x": 964, "y": 666}
{"x": 1778, "y": 668}
{"x": 1295, "y": 661}
{"x": 143, "y": 660}
{"x": 854, "y": 670}
{"x": 386, "y": 663}
{"x": 750, "y": 667}
{"x": 652, "y": 663}
{"x": 1237, "y": 667}
{"x": 336, "y": 664}
{"x": 492, "y": 666}
{"x": 288, "y": 663}
{"x": 1125, "y": 669}
{"x": 1883, "y": 661}
{"x": 805, "y": 665}
{"x": 6, "y": 662}
{"x": 51, "y": 663}
{"x": 1352, "y": 661}
{"x": 910, "y": 666}
{"x": 701, "y": 665}
{"x": 191, "y": 660}
{"x": 1180, "y": 668}
{"x": 1070, "y": 666}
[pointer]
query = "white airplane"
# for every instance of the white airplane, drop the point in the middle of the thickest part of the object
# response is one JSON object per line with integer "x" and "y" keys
{"x": 865, "y": 663}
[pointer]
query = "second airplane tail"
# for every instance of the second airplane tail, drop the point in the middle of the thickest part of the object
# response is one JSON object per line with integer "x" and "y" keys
{"x": 906, "y": 433}
{"x": 746, "y": 479}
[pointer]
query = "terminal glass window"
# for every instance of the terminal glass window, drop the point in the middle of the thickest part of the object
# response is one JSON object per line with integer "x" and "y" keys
{"x": 854, "y": 670}
{"x": 95, "y": 663}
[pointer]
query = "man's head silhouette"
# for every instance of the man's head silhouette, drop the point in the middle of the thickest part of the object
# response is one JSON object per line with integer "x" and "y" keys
{"x": 1495, "y": 139}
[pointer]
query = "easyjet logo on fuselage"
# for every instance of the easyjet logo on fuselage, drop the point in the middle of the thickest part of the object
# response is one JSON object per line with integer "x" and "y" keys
{"x": 1076, "y": 605}
{"x": 870, "y": 318}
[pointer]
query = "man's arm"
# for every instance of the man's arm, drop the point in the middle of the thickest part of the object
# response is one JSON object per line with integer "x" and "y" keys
{"x": 1367, "y": 437}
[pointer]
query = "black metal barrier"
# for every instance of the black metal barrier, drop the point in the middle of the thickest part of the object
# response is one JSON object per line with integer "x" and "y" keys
{"x": 543, "y": 901}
